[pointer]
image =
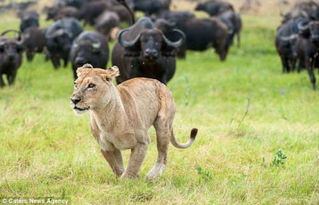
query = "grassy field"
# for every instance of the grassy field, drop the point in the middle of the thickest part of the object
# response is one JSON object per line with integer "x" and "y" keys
{"x": 248, "y": 114}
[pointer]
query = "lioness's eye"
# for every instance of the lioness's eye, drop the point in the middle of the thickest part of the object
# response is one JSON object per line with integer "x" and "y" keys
{"x": 91, "y": 85}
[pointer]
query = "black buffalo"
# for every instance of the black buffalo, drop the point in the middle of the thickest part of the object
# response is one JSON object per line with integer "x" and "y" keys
{"x": 93, "y": 9}
{"x": 226, "y": 13}
{"x": 307, "y": 47}
{"x": 89, "y": 47}
{"x": 106, "y": 22}
{"x": 175, "y": 16}
{"x": 214, "y": 7}
{"x": 234, "y": 24}
{"x": 10, "y": 58}
{"x": 303, "y": 9}
{"x": 59, "y": 38}
{"x": 29, "y": 19}
{"x": 286, "y": 38}
{"x": 166, "y": 21}
{"x": 56, "y": 13}
{"x": 151, "y": 6}
{"x": 204, "y": 33}
{"x": 144, "y": 51}
{"x": 33, "y": 40}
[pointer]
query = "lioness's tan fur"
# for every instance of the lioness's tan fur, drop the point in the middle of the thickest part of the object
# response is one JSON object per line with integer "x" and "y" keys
{"x": 121, "y": 116}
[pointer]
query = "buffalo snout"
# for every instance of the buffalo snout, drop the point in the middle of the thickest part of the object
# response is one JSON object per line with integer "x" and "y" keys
{"x": 11, "y": 56}
{"x": 151, "y": 53}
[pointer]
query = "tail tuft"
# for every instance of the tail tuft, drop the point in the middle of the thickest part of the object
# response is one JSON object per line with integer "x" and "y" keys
{"x": 194, "y": 133}
{"x": 186, "y": 145}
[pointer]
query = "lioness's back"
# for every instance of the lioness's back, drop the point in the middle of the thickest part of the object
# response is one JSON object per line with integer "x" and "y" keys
{"x": 148, "y": 95}
{"x": 142, "y": 86}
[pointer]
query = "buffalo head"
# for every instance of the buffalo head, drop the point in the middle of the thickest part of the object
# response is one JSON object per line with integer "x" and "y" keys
{"x": 86, "y": 52}
{"x": 303, "y": 28}
{"x": 59, "y": 40}
{"x": 10, "y": 48}
{"x": 314, "y": 32}
{"x": 150, "y": 44}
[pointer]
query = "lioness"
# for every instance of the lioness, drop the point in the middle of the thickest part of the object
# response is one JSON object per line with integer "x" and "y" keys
{"x": 121, "y": 116}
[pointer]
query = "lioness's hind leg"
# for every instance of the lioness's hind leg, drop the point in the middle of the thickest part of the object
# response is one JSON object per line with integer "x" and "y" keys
{"x": 163, "y": 132}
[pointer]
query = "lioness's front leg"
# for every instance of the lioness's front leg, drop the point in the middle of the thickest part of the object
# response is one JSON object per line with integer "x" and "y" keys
{"x": 114, "y": 158}
{"x": 136, "y": 159}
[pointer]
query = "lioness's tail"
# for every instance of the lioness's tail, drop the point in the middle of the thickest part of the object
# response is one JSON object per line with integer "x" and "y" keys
{"x": 188, "y": 144}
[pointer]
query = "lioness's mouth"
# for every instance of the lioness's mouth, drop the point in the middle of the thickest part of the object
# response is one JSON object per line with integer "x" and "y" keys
{"x": 81, "y": 109}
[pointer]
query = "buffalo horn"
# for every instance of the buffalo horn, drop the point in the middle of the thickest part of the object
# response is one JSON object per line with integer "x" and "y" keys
{"x": 124, "y": 43}
{"x": 176, "y": 43}
{"x": 288, "y": 38}
{"x": 302, "y": 27}
{"x": 11, "y": 30}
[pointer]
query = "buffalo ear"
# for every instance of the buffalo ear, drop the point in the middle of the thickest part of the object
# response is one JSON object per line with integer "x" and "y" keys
{"x": 110, "y": 73}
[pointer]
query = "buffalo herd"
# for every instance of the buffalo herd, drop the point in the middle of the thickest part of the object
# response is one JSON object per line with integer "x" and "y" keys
{"x": 147, "y": 47}
{"x": 150, "y": 45}
{"x": 297, "y": 39}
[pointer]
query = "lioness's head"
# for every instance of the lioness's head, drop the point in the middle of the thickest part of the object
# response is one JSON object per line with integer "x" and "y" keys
{"x": 93, "y": 88}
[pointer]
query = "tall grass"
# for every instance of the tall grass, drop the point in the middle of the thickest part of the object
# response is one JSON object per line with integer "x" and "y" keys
{"x": 245, "y": 108}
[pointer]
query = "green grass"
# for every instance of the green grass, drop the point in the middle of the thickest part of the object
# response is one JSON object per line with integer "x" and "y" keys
{"x": 46, "y": 150}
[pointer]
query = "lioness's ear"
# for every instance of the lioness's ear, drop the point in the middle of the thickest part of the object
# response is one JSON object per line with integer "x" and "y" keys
{"x": 87, "y": 66}
{"x": 83, "y": 70}
{"x": 111, "y": 73}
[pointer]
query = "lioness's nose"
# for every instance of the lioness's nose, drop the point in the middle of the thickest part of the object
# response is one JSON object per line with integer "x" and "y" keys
{"x": 75, "y": 99}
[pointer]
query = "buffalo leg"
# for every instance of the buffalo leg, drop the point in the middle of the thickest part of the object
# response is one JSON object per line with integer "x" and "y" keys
{"x": 293, "y": 63}
{"x": 299, "y": 68}
{"x": 46, "y": 54}
{"x": 285, "y": 66}
{"x": 11, "y": 77}
{"x": 222, "y": 52}
{"x": 65, "y": 61}
{"x": 55, "y": 61}
{"x": 1, "y": 81}
{"x": 288, "y": 63}
{"x": 311, "y": 74}
{"x": 30, "y": 55}
{"x": 300, "y": 65}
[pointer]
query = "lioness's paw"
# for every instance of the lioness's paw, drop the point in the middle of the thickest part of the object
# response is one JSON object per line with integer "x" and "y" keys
{"x": 128, "y": 176}
{"x": 156, "y": 172}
